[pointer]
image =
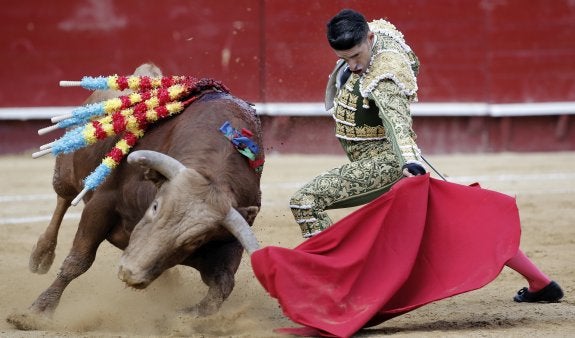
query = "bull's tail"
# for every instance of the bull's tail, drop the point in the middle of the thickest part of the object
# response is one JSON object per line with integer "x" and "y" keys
{"x": 43, "y": 252}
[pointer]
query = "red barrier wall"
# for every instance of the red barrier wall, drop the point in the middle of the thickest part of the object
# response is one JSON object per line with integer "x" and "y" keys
{"x": 275, "y": 51}
{"x": 480, "y": 51}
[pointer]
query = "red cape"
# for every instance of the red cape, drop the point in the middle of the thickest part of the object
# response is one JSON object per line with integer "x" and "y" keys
{"x": 422, "y": 241}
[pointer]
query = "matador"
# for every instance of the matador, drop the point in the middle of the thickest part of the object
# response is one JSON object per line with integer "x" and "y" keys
{"x": 373, "y": 123}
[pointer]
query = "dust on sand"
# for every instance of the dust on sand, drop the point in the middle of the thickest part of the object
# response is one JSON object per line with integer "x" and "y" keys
{"x": 98, "y": 304}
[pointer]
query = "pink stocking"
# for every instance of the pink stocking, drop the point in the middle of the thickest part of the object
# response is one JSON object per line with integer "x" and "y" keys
{"x": 522, "y": 264}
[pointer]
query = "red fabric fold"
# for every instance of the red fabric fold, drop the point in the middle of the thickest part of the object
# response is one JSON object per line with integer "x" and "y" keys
{"x": 423, "y": 241}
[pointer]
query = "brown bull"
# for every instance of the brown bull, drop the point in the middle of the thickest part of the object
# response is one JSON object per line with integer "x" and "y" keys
{"x": 179, "y": 203}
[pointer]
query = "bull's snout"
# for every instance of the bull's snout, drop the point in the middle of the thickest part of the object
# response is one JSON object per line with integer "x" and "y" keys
{"x": 132, "y": 279}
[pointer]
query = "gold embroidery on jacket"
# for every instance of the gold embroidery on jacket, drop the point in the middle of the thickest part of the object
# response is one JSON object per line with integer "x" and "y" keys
{"x": 359, "y": 133}
{"x": 347, "y": 105}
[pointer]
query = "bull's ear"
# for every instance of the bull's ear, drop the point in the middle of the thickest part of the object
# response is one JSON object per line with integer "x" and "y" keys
{"x": 155, "y": 177}
{"x": 249, "y": 213}
{"x": 165, "y": 165}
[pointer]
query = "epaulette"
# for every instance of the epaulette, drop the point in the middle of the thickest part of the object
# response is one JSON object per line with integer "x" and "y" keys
{"x": 389, "y": 65}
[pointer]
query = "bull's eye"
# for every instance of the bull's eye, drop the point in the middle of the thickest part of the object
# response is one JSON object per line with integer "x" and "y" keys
{"x": 154, "y": 207}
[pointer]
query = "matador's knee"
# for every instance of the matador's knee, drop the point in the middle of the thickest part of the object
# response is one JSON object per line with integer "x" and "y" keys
{"x": 311, "y": 219}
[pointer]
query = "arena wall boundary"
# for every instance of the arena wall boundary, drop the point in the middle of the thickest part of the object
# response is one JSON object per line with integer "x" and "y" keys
{"x": 317, "y": 109}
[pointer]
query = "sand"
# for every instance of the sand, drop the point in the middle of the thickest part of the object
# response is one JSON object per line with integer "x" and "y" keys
{"x": 98, "y": 303}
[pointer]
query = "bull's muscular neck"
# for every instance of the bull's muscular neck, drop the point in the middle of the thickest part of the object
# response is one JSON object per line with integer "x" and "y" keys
{"x": 194, "y": 139}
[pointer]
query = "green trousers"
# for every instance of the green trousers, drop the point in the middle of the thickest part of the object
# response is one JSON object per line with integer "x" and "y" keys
{"x": 372, "y": 170}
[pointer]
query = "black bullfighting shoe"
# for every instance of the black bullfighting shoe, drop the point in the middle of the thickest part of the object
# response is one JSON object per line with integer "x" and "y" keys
{"x": 549, "y": 294}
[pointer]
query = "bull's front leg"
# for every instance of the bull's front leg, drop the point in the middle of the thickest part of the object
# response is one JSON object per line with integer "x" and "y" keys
{"x": 217, "y": 271}
{"x": 91, "y": 232}
{"x": 43, "y": 252}
{"x": 75, "y": 264}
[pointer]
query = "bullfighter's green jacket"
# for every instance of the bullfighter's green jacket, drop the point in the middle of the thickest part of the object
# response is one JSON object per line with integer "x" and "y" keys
{"x": 367, "y": 107}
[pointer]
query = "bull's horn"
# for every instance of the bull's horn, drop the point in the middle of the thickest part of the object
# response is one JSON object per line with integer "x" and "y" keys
{"x": 164, "y": 164}
{"x": 237, "y": 225}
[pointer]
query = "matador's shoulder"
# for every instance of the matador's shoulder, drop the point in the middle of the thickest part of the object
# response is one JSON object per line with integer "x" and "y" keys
{"x": 384, "y": 27}
{"x": 392, "y": 60}
{"x": 389, "y": 65}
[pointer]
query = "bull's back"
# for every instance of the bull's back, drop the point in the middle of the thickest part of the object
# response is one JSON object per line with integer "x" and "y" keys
{"x": 70, "y": 169}
{"x": 194, "y": 138}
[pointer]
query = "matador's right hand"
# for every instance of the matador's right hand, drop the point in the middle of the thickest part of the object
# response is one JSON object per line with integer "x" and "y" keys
{"x": 413, "y": 169}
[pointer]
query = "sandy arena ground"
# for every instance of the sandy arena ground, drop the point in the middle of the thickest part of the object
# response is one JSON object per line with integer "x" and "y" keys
{"x": 98, "y": 304}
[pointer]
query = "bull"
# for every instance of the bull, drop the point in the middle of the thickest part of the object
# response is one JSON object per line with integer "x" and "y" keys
{"x": 189, "y": 198}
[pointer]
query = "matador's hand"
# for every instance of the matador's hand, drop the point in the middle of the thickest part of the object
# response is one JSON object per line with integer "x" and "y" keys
{"x": 412, "y": 169}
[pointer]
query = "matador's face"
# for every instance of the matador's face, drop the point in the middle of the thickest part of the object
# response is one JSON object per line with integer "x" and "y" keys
{"x": 359, "y": 56}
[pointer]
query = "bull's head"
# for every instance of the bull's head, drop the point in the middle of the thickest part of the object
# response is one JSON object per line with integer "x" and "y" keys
{"x": 187, "y": 212}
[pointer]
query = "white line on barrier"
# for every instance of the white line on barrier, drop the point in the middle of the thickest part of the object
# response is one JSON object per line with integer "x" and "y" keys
{"x": 318, "y": 109}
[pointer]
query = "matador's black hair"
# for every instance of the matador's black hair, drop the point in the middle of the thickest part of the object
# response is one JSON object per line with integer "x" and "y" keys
{"x": 347, "y": 29}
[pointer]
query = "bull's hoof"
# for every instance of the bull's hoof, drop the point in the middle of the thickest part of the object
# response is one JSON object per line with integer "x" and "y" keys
{"x": 29, "y": 321}
{"x": 41, "y": 259}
